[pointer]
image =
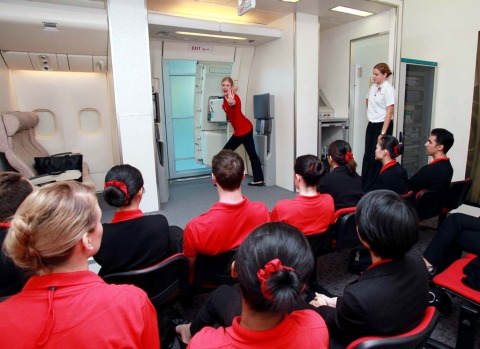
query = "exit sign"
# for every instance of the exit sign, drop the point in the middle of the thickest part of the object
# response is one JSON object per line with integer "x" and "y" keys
{"x": 245, "y": 5}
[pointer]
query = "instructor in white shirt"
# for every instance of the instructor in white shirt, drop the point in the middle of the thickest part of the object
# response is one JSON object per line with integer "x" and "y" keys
{"x": 380, "y": 103}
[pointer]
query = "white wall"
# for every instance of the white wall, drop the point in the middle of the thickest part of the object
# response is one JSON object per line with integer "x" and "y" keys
{"x": 273, "y": 72}
{"x": 307, "y": 35}
{"x": 335, "y": 57}
{"x": 8, "y": 100}
{"x": 128, "y": 30}
{"x": 432, "y": 33}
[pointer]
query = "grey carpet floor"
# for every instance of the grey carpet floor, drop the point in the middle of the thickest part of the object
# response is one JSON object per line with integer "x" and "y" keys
{"x": 191, "y": 198}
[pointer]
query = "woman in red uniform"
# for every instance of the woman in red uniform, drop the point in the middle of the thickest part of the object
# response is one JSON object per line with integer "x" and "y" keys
{"x": 272, "y": 265}
{"x": 64, "y": 305}
{"x": 242, "y": 129}
{"x": 310, "y": 211}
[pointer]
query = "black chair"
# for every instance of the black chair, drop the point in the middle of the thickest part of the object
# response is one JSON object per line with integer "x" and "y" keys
{"x": 320, "y": 244}
{"x": 414, "y": 339}
{"x": 345, "y": 232}
{"x": 213, "y": 271}
{"x": 162, "y": 282}
{"x": 451, "y": 281}
{"x": 456, "y": 196}
{"x": 427, "y": 204}
{"x": 410, "y": 198}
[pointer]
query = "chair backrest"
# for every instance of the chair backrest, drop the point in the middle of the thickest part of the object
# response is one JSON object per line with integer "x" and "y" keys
{"x": 414, "y": 339}
{"x": 12, "y": 140}
{"x": 345, "y": 232}
{"x": 456, "y": 194}
{"x": 213, "y": 271}
{"x": 409, "y": 197}
{"x": 162, "y": 282}
{"x": 427, "y": 204}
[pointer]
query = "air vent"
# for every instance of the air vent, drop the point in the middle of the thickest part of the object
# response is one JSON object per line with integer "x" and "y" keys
{"x": 49, "y": 26}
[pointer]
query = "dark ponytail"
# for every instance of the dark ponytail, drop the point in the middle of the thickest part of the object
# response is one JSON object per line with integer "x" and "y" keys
{"x": 341, "y": 153}
{"x": 391, "y": 144}
{"x": 310, "y": 168}
{"x": 122, "y": 183}
{"x": 273, "y": 266}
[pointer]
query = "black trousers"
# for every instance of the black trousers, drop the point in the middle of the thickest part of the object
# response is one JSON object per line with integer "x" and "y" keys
{"x": 458, "y": 233}
{"x": 221, "y": 307}
{"x": 247, "y": 141}
{"x": 371, "y": 167}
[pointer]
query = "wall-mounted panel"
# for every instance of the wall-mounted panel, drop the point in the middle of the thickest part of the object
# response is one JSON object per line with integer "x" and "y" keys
{"x": 80, "y": 63}
{"x": 44, "y": 61}
{"x": 17, "y": 60}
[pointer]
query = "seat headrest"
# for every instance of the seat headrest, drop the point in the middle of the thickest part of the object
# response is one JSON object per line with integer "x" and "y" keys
{"x": 18, "y": 121}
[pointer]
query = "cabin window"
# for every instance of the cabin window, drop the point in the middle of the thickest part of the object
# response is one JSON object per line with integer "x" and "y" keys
{"x": 473, "y": 158}
{"x": 89, "y": 120}
{"x": 47, "y": 124}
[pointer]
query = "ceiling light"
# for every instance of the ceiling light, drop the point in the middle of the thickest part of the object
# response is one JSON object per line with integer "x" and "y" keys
{"x": 212, "y": 35}
{"x": 290, "y": 0}
{"x": 351, "y": 11}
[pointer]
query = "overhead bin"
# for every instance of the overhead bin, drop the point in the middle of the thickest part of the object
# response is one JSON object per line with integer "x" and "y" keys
{"x": 54, "y": 62}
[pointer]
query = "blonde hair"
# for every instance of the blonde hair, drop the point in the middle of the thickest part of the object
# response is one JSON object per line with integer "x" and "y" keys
{"x": 229, "y": 79}
{"x": 49, "y": 223}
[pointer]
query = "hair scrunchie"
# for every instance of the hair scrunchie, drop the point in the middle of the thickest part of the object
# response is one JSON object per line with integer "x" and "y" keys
{"x": 275, "y": 265}
{"x": 120, "y": 185}
{"x": 348, "y": 156}
{"x": 395, "y": 150}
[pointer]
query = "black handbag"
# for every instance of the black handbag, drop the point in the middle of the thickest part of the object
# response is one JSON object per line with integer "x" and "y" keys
{"x": 59, "y": 163}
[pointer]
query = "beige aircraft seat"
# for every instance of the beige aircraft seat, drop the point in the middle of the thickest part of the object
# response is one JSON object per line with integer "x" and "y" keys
{"x": 18, "y": 142}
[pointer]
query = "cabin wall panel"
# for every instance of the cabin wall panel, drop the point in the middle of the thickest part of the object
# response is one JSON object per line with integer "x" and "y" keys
{"x": 432, "y": 33}
{"x": 65, "y": 95}
{"x": 130, "y": 66}
{"x": 8, "y": 99}
{"x": 273, "y": 72}
{"x": 307, "y": 36}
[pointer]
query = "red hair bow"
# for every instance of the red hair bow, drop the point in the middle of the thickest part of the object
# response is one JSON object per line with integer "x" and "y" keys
{"x": 275, "y": 265}
{"x": 120, "y": 185}
{"x": 348, "y": 156}
{"x": 395, "y": 150}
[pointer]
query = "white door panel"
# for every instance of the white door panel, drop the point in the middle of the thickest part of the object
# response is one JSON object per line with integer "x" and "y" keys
{"x": 66, "y": 95}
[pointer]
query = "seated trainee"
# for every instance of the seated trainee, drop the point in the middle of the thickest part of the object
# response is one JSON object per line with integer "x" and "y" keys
{"x": 310, "y": 211}
{"x": 54, "y": 232}
{"x": 391, "y": 296}
{"x": 392, "y": 175}
{"x": 343, "y": 183}
{"x": 458, "y": 233}
{"x": 437, "y": 175}
{"x": 132, "y": 240}
{"x": 272, "y": 265}
{"x": 13, "y": 190}
{"x": 225, "y": 225}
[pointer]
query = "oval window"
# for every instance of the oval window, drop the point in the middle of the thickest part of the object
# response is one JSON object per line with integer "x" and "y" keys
{"x": 90, "y": 121}
{"x": 47, "y": 124}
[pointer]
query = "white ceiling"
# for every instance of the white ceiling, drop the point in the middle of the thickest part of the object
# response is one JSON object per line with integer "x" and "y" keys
{"x": 84, "y": 28}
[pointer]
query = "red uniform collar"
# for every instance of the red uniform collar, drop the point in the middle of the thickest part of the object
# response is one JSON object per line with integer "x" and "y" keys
{"x": 5, "y": 224}
{"x": 126, "y": 215}
{"x": 388, "y": 165}
{"x": 380, "y": 262}
{"x": 437, "y": 160}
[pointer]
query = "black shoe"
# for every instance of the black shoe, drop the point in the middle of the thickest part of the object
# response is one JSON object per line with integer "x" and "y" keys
{"x": 257, "y": 184}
